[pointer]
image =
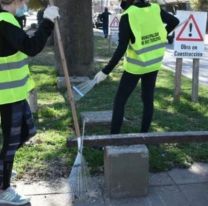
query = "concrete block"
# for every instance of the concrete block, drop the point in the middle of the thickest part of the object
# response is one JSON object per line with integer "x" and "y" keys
{"x": 61, "y": 81}
{"x": 33, "y": 101}
{"x": 97, "y": 117}
{"x": 126, "y": 171}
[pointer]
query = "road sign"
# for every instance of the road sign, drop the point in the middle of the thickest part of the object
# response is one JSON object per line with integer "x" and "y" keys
{"x": 189, "y": 37}
{"x": 114, "y": 23}
{"x": 190, "y": 31}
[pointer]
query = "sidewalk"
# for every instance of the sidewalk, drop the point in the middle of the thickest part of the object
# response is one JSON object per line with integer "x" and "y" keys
{"x": 183, "y": 187}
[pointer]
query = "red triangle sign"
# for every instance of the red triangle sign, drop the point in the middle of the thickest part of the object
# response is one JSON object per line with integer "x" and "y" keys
{"x": 190, "y": 31}
{"x": 115, "y": 23}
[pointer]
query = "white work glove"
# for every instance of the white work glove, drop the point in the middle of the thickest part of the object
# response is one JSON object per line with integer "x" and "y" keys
{"x": 99, "y": 77}
{"x": 51, "y": 13}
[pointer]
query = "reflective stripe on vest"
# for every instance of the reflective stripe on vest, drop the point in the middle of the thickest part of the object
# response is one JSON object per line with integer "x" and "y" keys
{"x": 144, "y": 64}
{"x": 146, "y": 53}
{"x": 15, "y": 80}
{"x": 13, "y": 65}
{"x": 148, "y": 49}
{"x": 14, "y": 84}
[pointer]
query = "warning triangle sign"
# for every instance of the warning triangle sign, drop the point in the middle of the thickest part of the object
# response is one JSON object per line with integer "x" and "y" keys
{"x": 190, "y": 31}
{"x": 115, "y": 22}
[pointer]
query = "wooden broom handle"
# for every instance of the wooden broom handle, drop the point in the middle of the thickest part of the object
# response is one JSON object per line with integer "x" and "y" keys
{"x": 66, "y": 75}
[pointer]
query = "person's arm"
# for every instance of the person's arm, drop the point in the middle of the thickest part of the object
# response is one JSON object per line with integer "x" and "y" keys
{"x": 170, "y": 20}
{"x": 19, "y": 40}
{"x": 123, "y": 41}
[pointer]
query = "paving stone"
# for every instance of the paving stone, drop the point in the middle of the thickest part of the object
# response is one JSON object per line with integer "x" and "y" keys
{"x": 159, "y": 179}
{"x": 196, "y": 194}
{"x": 197, "y": 173}
{"x": 52, "y": 200}
{"x": 158, "y": 196}
{"x": 43, "y": 187}
{"x": 49, "y": 194}
{"x": 90, "y": 203}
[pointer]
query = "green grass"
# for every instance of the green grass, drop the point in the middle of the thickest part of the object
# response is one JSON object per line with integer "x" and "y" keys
{"x": 46, "y": 155}
{"x": 168, "y": 116}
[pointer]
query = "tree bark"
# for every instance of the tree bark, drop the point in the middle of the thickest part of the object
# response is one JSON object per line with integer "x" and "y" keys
{"x": 77, "y": 36}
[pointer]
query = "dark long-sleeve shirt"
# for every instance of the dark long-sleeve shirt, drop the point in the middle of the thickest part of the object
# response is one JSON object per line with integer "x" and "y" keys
{"x": 13, "y": 39}
{"x": 105, "y": 18}
{"x": 126, "y": 35}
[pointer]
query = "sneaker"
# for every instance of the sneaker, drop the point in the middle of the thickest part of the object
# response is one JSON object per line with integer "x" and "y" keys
{"x": 11, "y": 197}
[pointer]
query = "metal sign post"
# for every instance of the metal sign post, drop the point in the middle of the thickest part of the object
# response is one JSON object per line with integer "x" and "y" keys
{"x": 195, "y": 82}
{"x": 177, "y": 91}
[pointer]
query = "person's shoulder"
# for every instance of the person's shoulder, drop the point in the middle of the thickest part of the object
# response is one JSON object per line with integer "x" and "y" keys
{"x": 4, "y": 25}
{"x": 124, "y": 19}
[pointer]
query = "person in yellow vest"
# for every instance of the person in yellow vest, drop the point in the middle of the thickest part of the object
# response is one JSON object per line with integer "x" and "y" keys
{"x": 15, "y": 84}
{"x": 143, "y": 33}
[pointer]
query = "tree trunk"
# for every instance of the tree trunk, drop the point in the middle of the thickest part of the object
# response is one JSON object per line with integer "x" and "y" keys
{"x": 77, "y": 33}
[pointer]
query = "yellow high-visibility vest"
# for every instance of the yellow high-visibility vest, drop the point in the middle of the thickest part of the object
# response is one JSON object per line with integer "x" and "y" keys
{"x": 15, "y": 79}
{"x": 146, "y": 53}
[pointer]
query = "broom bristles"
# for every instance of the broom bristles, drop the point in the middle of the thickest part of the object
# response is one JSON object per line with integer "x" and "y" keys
{"x": 79, "y": 179}
{"x": 82, "y": 89}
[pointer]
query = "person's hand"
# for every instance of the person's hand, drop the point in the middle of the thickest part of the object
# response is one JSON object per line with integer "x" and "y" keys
{"x": 99, "y": 77}
{"x": 51, "y": 13}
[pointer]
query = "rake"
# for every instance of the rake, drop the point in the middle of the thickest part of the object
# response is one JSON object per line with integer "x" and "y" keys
{"x": 80, "y": 181}
{"x": 82, "y": 89}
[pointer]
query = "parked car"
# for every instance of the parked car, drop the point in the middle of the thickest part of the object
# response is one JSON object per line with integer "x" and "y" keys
{"x": 97, "y": 23}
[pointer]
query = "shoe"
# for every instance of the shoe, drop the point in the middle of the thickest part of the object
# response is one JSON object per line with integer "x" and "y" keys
{"x": 11, "y": 197}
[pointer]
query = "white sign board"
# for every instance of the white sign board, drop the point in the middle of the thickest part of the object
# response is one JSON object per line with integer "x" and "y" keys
{"x": 114, "y": 20}
{"x": 189, "y": 36}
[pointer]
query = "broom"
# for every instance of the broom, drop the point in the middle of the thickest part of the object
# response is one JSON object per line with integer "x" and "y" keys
{"x": 82, "y": 89}
{"x": 79, "y": 179}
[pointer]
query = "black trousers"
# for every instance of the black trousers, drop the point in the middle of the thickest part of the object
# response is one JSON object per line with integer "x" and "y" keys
{"x": 17, "y": 127}
{"x": 127, "y": 84}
